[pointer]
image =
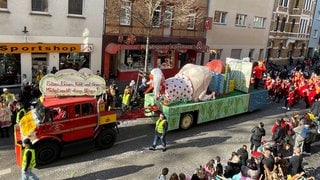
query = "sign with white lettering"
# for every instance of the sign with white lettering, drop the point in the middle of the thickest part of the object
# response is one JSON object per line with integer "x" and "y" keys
{"x": 72, "y": 83}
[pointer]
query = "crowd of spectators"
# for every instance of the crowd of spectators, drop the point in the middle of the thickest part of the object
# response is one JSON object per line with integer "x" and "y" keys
{"x": 281, "y": 157}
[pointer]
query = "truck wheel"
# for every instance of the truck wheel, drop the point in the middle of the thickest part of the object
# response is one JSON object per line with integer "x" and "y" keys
{"x": 47, "y": 152}
{"x": 186, "y": 121}
{"x": 106, "y": 138}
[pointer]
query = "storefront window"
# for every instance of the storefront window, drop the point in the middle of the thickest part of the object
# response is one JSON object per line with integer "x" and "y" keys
{"x": 132, "y": 60}
{"x": 10, "y": 71}
{"x": 74, "y": 60}
{"x": 165, "y": 60}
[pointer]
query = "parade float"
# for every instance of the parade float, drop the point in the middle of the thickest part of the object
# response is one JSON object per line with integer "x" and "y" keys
{"x": 199, "y": 94}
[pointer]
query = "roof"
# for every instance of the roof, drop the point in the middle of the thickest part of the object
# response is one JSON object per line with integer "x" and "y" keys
{"x": 59, "y": 101}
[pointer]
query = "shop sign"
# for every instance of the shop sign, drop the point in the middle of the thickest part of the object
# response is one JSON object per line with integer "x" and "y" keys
{"x": 44, "y": 48}
{"x": 174, "y": 47}
{"x": 72, "y": 83}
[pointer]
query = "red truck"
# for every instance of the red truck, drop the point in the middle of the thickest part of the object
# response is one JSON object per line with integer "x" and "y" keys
{"x": 73, "y": 114}
{"x": 82, "y": 120}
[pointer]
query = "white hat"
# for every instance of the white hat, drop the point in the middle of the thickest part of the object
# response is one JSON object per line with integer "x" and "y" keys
{"x": 132, "y": 83}
{"x": 5, "y": 89}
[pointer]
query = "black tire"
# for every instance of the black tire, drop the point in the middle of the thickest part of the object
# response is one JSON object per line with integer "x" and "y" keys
{"x": 47, "y": 152}
{"x": 186, "y": 121}
{"x": 106, "y": 138}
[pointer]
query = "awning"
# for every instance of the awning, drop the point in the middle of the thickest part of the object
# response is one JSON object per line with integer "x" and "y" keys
{"x": 112, "y": 48}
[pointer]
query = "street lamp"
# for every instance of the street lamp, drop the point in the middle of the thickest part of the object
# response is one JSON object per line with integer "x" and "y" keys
{"x": 25, "y": 31}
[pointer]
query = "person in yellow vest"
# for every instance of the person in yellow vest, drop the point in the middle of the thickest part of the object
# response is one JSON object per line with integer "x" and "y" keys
{"x": 126, "y": 98}
{"x": 28, "y": 161}
{"x": 160, "y": 133}
{"x": 7, "y": 96}
{"x": 39, "y": 76}
{"x": 20, "y": 112}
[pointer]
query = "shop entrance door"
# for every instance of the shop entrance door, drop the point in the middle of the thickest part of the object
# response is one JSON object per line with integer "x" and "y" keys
{"x": 39, "y": 65}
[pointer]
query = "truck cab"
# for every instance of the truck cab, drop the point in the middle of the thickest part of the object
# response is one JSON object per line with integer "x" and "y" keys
{"x": 59, "y": 121}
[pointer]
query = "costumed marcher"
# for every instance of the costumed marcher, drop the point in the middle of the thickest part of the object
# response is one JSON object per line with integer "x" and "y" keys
{"x": 28, "y": 161}
{"x": 160, "y": 133}
{"x": 258, "y": 73}
{"x": 289, "y": 99}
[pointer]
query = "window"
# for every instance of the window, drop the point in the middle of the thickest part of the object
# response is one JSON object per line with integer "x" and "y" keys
{"x": 283, "y": 3}
{"x": 3, "y": 4}
{"x": 250, "y": 55}
{"x": 125, "y": 13}
{"x": 315, "y": 33}
{"x": 132, "y": 59}
{"x": 157, "y": 17}
{"x": 307, "y": 4}
{"x": 165, "y": 60}
{"x": 168, "y": 16}
{"x": 303, "y": 28}
{"x": 292, "y": 25}
{"x": 261, "y": 53}
{"x": 236, "y": 53}
{"x": 87, "y": 109}
{"x": 191, "y": 19}
{"x": 74, "y": 61}
{"x": 10, "y": 72}
{"x": 75, "y": 7}
{"x": 302, "y": 49}
{"x": 259, "y": 22}
{"x": 241, "y": 20}
{"x": 220, "y": 17}
{"x": 279, "y": 50}
{"x": 296, "y": 4}
{"x": 283, "y": 24}
{"x": 277, "y": 23}
{"x": 40, "y": 5}
{"x": 215, "y": 54}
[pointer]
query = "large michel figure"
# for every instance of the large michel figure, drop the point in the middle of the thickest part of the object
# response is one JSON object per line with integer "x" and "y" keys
{"x": 189, "y": 84}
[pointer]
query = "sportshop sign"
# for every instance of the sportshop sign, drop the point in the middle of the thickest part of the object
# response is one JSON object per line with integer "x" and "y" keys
{"x": 44, "y": 48}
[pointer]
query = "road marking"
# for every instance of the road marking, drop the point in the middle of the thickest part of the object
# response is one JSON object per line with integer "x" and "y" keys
{"x": 5, "y": 171}
{"x": 132, "y": 139}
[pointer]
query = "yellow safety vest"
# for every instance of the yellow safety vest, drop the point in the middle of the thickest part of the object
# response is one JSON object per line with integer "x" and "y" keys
{"x": 18, "y": 115}
{"x": 33, "y": 159}
{"x": 160, "y": 125}
{"x": 126, "y": 98}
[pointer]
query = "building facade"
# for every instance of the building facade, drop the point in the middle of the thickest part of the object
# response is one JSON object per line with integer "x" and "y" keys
{"x": 39, "y": 35}
{"x": 176, "y": 36}
{"x": 239, "y": 30}
{"x": 290, "y": 30}
{"x": 314, "y": 41}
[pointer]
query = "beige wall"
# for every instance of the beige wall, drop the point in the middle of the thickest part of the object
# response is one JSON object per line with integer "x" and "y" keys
{"x": 229, "y": 36}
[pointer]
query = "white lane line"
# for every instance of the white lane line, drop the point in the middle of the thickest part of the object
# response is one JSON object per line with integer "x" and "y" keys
{"x": 132, "y": 139}
{"x": 5, "y": 171}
